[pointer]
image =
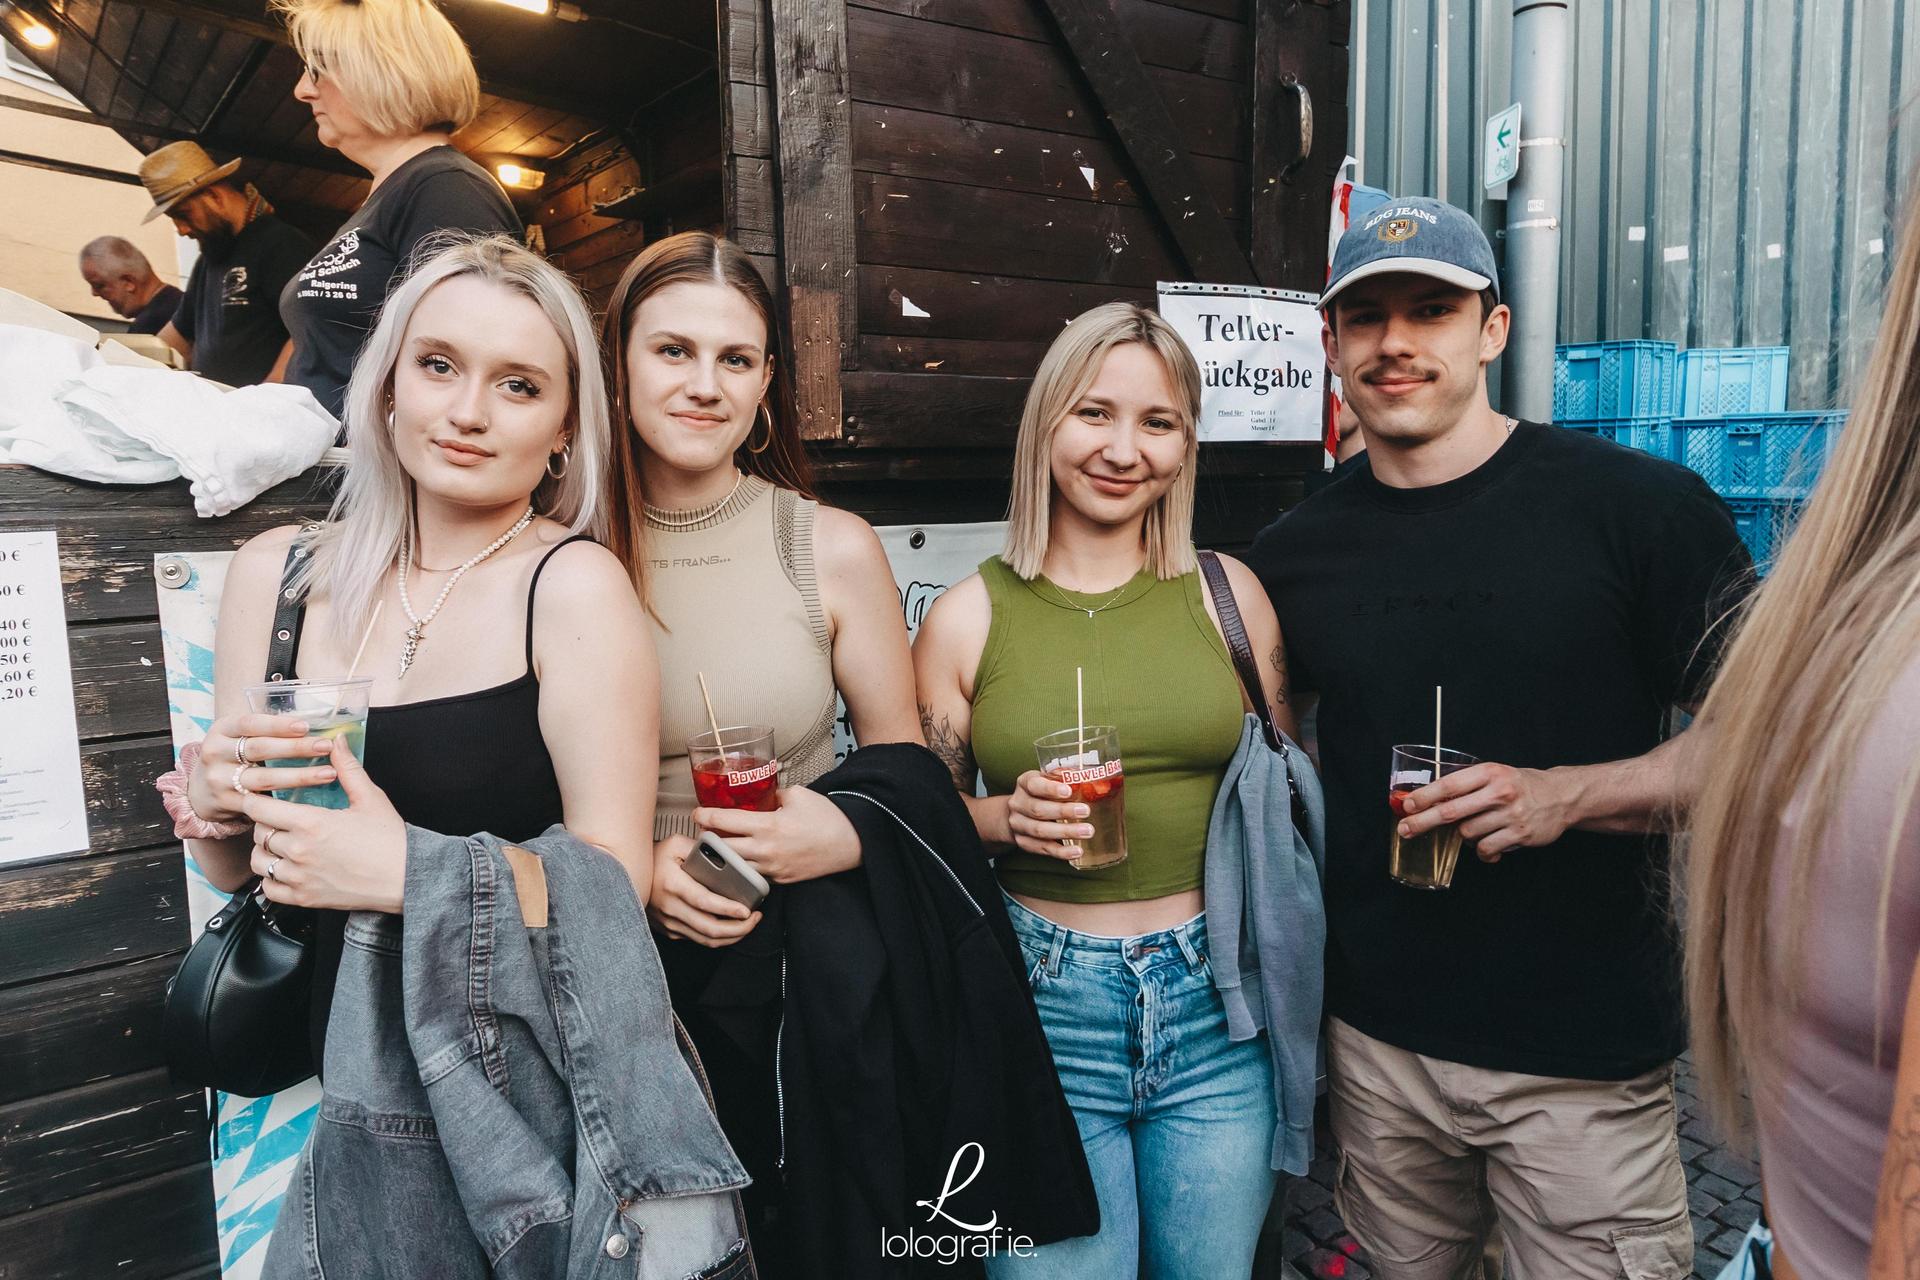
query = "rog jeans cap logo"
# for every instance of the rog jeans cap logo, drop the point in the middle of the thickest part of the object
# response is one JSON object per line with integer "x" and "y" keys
{"x": 1398, "y": 229}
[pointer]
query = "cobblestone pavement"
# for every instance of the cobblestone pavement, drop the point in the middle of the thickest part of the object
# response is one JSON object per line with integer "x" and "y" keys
{"x": 1723, "y": 1191}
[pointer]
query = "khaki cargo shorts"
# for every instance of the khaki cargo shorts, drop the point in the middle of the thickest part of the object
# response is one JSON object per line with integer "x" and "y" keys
{"x": 1440, "y": 1164}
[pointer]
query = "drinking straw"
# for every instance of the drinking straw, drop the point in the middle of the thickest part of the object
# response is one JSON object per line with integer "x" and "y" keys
{"x": 707, "y": 698}
{"x": 1436, "y": 733}
{"x": 1080, "y": 714}
{"x": 339, "y": 691}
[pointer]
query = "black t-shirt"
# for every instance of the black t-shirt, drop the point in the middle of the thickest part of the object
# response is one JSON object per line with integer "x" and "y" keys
{"x": 231, "y": 311}
{"x": 1563, "y": 594}
{"x": 153, "y": 317}
{"x": 332, "y": 304}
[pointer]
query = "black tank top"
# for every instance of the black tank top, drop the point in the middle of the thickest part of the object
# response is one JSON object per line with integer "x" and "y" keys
{"x": 461, "y": 765}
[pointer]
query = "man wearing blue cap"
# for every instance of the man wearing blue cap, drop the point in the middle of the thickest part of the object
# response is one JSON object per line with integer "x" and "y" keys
{"x": 1500, "y": 1049}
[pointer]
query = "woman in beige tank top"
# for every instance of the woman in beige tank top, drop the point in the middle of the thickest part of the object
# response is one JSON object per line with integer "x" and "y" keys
{"x": 778, "y": 601}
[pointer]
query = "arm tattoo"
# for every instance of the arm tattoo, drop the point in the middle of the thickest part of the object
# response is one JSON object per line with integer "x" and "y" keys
{"x": 1279, "y": 660}
{"x": 954, "y": 751}
{"x": 1896, "y": 1236}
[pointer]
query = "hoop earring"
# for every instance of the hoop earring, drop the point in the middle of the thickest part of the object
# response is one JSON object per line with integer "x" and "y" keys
{"x": 566, "y": 462}
{"x": 768, "y": 442}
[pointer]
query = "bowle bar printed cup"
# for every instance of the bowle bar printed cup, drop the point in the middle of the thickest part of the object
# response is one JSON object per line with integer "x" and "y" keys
{"x": 1425, "y": 861}
{"x": 735, "y": 769}
{"x": 332, "y": 709}
{"x": 1088, "y": 761}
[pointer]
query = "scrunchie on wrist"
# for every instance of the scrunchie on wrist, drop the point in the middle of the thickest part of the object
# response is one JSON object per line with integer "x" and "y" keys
{"x": 187, "y": 824}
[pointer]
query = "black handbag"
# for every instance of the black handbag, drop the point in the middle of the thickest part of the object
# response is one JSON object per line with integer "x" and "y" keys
{"x": 237, "y": 1014}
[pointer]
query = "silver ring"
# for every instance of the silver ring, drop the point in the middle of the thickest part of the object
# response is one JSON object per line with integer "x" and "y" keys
{"x": 272, "y": 867}
{"x": 240, "y": 751}
{"x": 239, "y": 780}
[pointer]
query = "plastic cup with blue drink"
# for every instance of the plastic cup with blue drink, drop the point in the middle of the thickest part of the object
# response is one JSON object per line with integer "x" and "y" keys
{"x": 331, "y": 709}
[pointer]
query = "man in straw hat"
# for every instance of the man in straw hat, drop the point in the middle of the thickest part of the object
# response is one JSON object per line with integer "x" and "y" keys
{"x": 1503, "y": 1021}
{"x": 228, "y": 325}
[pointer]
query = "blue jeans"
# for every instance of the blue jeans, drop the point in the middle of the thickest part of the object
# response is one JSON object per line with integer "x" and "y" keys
{"x": 1177, "y": 1120}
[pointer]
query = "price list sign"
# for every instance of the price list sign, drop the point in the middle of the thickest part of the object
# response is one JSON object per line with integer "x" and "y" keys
{"x": 43, "y": 808}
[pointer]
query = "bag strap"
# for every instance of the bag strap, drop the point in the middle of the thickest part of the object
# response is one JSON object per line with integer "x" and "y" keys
{"x": 1241, "y": 651}
{"x": 289, "y": 612}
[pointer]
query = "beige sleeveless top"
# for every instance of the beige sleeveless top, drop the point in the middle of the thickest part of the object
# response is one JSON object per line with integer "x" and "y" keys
{"x": 736, "y": 599}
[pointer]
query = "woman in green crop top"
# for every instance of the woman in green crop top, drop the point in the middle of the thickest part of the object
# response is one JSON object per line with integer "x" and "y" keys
{"x": 1099, "y": 577}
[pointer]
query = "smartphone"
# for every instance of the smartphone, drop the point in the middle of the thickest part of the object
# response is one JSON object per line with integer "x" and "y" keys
{"x": 725, "y": 872}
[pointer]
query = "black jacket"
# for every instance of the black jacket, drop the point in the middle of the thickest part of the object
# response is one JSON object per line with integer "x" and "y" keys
{"x": 910, "y": 1032}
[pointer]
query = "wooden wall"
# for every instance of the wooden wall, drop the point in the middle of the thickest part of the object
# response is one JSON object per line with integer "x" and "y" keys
{"x": 103, "y": 1161}
{"x": 972, "y": 136}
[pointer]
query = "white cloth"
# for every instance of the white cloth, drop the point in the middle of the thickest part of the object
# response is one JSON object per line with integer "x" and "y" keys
{"x": 65, "y": 409}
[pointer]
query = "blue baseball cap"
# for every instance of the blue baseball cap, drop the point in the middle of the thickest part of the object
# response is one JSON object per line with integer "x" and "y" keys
{"x": 1419, "y": 236}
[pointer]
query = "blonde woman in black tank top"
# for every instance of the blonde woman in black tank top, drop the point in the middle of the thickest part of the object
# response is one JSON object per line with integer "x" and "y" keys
{"x": 477, "y": 417}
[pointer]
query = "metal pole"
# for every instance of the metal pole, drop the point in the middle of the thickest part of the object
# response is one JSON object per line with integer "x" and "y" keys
{"x": 1540, "y": 37}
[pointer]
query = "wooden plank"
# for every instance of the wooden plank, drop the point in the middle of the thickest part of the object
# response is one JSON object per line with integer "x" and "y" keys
{"x": 1161, "y": 34}
{"x": 922, "y": 410}
{"x": 619, "y": 242}
{"x": 925, "y": 144}
{"x": 85, "y": 913}
{"x": 910, "y": 222}
{"x": 106, "y": 562}
{"x": 1300, "y": 70}
{"x": 743, "y": 42}
{"x": 119, "y": 679}
{"x": 73, "y": 1030}
{"x": 903, "y": 62}
{"x": 749, "y": 122}
{"x": 887, "y": 353}
{"x": 967, "y": 305}
{"x": 752, "y": 200}
{"x": 1151, "y": 140}
{"x": 123, "y": 809}
{"x": 144, "y": 1230}
{"x": 79, "y": 1141}
{"x": 816, "y": 200}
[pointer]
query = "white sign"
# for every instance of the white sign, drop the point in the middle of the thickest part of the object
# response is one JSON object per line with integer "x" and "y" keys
{"x": 1503, "y": 146}
{"x": 1263, "y": 373}
{"x": 926, "y": 560}
{"x": 43, "y": 807}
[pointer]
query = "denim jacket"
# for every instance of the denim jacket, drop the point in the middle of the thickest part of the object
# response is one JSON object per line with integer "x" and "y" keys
{"x": 505, "y": 1094}
{"x": 1267, "y": 926}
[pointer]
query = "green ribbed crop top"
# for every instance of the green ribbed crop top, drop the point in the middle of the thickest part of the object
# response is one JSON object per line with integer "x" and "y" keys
{"x": 1156, "y": 669}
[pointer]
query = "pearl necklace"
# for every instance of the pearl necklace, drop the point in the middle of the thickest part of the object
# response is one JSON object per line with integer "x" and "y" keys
{"x": 417, "y": 632}
{"x": 690, "y": 518}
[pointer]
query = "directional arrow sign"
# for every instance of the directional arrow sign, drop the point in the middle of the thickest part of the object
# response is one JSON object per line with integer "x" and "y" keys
{"x": 1503, "y": 146}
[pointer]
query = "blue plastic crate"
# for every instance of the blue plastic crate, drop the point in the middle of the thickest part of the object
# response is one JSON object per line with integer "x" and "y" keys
{"x": 1758, "y": 455}
{"x": 1764, "y": 525}
{"x": 1600, "y": 380}
{"x": 1649, "y": 435}
{"x": 1717, "y": 380}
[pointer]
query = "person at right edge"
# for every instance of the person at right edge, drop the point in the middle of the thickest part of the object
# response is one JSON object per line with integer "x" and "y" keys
{"x": 1500, "y": 1052}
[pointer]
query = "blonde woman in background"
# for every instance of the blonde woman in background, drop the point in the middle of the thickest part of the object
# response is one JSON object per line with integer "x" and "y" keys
{"x": 390, "y": 82}
{"x": 1803, "y": 877}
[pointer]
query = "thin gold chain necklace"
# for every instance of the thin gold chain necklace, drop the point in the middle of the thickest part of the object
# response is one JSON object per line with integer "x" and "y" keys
{"x": 1111, "y": 601}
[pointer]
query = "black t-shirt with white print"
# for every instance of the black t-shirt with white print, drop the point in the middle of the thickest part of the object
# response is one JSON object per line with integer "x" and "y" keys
{"x": 331, "y": 305}
{"x": 1564, "y": 595}
{"x": 230, "y": 312}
